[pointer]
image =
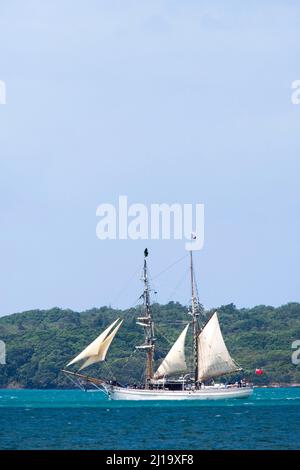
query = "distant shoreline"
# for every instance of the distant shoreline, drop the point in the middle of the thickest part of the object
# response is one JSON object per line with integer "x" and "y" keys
{"x": 39, "y": 343}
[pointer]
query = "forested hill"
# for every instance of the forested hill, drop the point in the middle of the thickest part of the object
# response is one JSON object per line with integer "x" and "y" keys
{"x": 40, "y": 342}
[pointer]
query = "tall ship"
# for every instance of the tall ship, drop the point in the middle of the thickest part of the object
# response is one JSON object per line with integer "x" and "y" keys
{"x": 172, "y": 380}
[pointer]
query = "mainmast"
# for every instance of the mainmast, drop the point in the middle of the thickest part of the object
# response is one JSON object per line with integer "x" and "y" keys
{"x": 148, "y": 325}
{"x": 195, "y": 314}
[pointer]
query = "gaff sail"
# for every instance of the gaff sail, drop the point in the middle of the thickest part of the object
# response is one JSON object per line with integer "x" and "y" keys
{"x": 214, "y": 359}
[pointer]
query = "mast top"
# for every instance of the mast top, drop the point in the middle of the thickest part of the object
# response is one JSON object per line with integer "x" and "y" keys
{"x": 146, "y": 253}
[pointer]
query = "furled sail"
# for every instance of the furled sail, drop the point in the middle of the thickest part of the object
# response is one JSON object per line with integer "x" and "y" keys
{"x": 99, "y": 346}
{"x": 214, "y": 359}
{"x": 175, "y": 359}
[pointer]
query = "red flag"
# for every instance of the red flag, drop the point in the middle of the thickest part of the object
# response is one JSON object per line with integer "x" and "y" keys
{"x": 259, "y": 371}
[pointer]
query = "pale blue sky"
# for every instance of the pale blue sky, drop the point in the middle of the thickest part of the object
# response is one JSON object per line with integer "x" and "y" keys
{"x": 163, "y": 101}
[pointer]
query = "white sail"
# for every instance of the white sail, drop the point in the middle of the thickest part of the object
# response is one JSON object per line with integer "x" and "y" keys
{"x": 103, "y": 349}
{"x": 175, "y": 359}
{"x": 213, "y": 356}
{"x": 93, "y": 348}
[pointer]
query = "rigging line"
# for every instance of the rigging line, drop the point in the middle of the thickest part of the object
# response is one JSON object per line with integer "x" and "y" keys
{"x": 153, "y": 288}
{"x": 126, "y": 360}
{"x": 178, "y": 285}
{"x": 163, "y": 336}
{"x": 169, "y": 267}
{"x": 121, "y": 292}
{"x": 200, "y": 305}
{"x": 134, "y": 304}
{"x": 109, "y": 371}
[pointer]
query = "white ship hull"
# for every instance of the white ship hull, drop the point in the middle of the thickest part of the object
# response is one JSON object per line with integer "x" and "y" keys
{"x": 208, "y": 393}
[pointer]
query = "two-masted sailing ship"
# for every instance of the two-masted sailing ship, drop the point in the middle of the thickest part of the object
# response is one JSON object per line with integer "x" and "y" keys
{"x": 172, "y": 380}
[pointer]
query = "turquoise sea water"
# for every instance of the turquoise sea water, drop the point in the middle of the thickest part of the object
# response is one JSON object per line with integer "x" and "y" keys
{"x": 72, "y": 419}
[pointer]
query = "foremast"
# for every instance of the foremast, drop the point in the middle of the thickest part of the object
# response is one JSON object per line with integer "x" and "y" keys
{"x": 195, "y": 323}
{"x": 147, "y": 323}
